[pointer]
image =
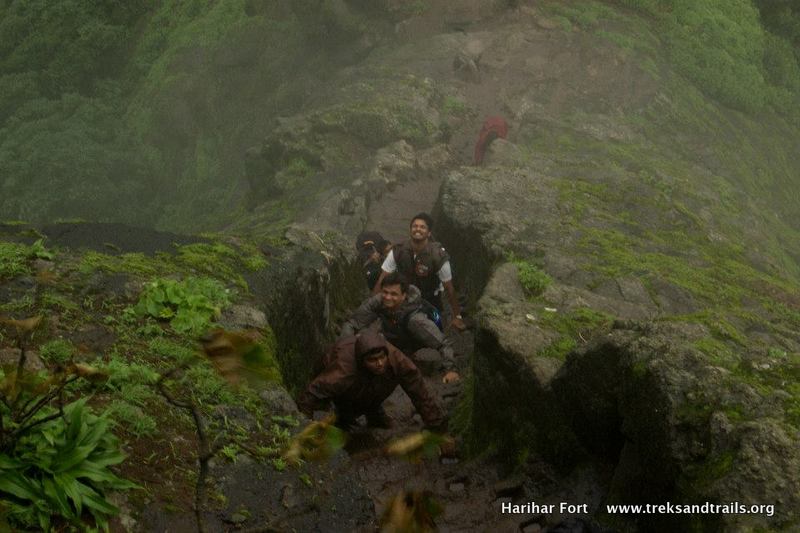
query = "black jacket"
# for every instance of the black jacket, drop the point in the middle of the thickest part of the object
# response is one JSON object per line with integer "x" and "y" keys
{"x": 408, "y": 328}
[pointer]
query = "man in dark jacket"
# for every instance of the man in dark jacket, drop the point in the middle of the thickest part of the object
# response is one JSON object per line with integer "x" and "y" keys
{"x": 361, "y": 372}
{"x": 404, "y": 323}
{"x": 426, "y": 265}
{"x": 372, "y": 249}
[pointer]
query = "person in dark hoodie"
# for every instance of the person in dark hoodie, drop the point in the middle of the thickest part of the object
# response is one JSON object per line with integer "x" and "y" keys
{"x": 360, "y": 373}
{"x": 401, "y": 311}
{"x": 372, "y": 249}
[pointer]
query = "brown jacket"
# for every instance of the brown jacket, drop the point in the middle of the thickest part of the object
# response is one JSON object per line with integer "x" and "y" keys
{"x": 346, "y": 380}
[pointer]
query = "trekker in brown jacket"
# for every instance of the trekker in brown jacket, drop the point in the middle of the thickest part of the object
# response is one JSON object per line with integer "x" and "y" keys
{"x": 360, "y": 374}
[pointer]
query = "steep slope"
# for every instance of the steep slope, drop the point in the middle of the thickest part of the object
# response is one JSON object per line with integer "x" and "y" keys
{"x": 622, "y": 195}
{"x": 631, "y": 251}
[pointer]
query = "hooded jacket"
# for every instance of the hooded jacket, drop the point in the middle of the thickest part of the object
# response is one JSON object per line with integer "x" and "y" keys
{"x": 345, "y": 380}
{"x": 408, "y": 327}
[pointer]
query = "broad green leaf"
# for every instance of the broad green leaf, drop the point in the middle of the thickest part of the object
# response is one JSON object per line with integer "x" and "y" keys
{"x": 153, "y": 307}
{"x": 93, "y": 500}
{"x": 15, "y": 483}
{"x": 74, "y": 416}
{"x": 72, "y": 458}
{"x": 158, "y": 295}
{"x": 70, "y": 487}
{"x": 102, "y": 475}
{"x": 174, "y": 294}
{"x": 107, "y": 457}
{"x": 94, "y": 434}
{"x": 49, "y": 437}
{"x": 44, "y": 520}
{"x": 58, "y": 498}
{"x": 7, "y": 462}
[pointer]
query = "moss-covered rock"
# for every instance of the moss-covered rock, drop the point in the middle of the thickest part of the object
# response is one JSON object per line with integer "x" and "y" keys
{"x": 370, "y": 109}
{"x": 607, "y": 194}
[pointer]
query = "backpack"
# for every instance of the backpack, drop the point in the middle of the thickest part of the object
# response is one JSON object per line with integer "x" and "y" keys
{"x": 430, "y": 311}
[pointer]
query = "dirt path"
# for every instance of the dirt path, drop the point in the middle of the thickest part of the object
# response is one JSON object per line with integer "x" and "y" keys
{"x": 391, "y": 214}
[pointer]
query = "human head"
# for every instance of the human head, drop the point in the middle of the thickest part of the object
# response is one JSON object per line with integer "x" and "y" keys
{"x": 421, "y": 227}
{"x": 394, "y": 288}
{"x": 372, "y": 352}
{"x": 384, "y": 247}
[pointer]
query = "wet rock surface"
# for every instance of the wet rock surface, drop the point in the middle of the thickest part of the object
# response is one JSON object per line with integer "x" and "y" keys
{"x": 112, "y": 238}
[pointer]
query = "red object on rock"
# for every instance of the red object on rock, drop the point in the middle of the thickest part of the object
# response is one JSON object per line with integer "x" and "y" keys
{"x": 493, "y": 127}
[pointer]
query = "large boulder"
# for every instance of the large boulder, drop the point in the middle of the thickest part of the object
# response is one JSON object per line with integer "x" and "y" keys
{"x": 678, "y": 427}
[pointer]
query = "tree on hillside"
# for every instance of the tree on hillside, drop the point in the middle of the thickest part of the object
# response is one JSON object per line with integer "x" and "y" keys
{"x": 782, "y": 17}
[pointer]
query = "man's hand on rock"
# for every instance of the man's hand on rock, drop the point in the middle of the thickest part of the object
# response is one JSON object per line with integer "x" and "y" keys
{"x": 451, "y": 377}
{"x": 458, "y": 323}
{"x": 448, "y": 447}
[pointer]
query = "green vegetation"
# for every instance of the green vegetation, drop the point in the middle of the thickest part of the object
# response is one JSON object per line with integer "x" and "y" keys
{"x": 585, "y": 15}
{"x": 132, "y": 417}
{"x": 744, "y": 53}
{"x": 572, "y": 327}
{"x": 455, "y": 106}
{"x": 123, "y": 384}
{"x": 13, "y": 259}
{"x": 61, "y": 468}
{"x": 54, "y": 454}
{"x": 724, "y": 48}
{"x": 106, "y": 115}
{"x": 189, "y": 305}
{"x": 58, "y": 351}
{"x": 534, "y": 280}
{"x": 711, "y": 470}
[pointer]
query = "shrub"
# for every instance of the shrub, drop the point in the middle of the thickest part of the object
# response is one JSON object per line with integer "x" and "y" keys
{"x": 189, "y": 305}
{"x": 454, "y": 106}
{"x": 60, "y": 467}
{"x": 57, "y": 351}
{"x": 533, "y": 279}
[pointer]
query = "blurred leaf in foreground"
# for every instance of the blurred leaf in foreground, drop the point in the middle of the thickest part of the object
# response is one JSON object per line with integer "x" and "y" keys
{"x": 411, "y": 512}
{"x": 237, "y": 356}
{"x": 319, "y": 440}
{"x": 416, "y": 446}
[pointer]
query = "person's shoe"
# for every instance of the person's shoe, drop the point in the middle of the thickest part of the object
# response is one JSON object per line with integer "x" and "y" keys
{"x": 380, "y": 421}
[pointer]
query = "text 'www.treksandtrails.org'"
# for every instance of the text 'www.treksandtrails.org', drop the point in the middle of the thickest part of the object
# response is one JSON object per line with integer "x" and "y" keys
{"x": 704, "y": 508}
{"x": 649, "y": 508}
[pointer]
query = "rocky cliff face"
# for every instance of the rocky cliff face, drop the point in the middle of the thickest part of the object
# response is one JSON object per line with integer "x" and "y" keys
{"x": 634, "y": 304}
{"x": 635, "y": 289}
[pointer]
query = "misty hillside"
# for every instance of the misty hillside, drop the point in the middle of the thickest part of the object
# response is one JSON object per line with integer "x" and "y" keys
{"x": 629, "y": 253}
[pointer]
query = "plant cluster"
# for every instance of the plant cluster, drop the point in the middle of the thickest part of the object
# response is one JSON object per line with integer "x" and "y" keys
{"x": 14, "y": 257}
{"x": 54, "y": 455}
{"x": 189, "y": 305}
{"x": 534, "y": 280}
